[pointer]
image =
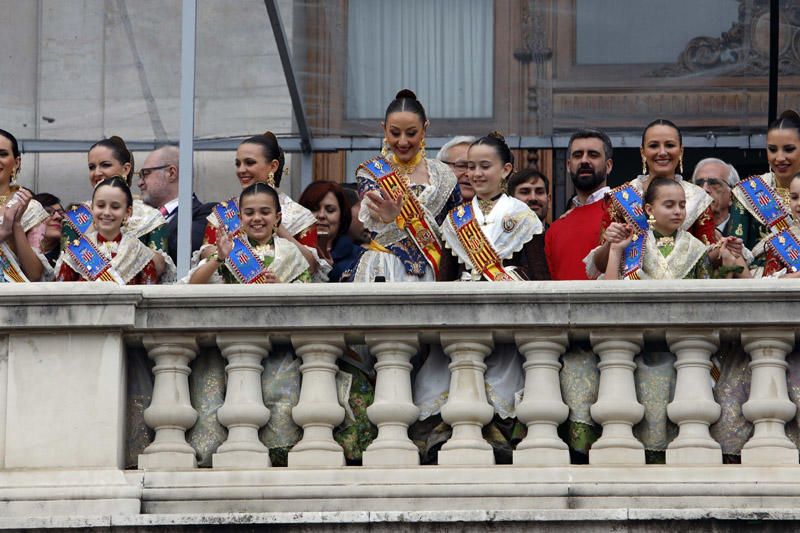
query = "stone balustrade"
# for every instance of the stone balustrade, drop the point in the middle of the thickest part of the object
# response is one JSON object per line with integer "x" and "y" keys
{"x": 64, "y": 385}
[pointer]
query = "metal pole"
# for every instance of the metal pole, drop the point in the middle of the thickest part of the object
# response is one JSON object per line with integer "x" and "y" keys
{"x": 188, "y": 30}
{"x": 294, "y": 92}
{"x": 774, "y": 34}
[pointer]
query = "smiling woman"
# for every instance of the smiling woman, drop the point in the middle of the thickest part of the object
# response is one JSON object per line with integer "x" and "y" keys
{"x": 406, "y": 197}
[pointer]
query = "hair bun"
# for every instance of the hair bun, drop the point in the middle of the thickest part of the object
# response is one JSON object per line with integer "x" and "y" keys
{"x": 497, "y": 135}
{"x": 269, "y": 135}
{"x": 790, "y": 114}
{"x": 405, "y": 93}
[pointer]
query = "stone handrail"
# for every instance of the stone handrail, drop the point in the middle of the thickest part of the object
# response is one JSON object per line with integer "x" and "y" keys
{"x": 63, "y": 380}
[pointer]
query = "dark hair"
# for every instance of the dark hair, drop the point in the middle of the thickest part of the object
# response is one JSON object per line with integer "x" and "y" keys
{"x": 663, "y": 122}
{"x": 314, "y": 193}
{"x": 406, "y": 100}
{"x": 46, "y": 199}
{"x": 350, "y": 191}
{"x": 14, "y": 143}
{"x": 261, "y": 188}
{"x": 593, "y": 134}
{"x": 120, "y": 152}
{"x": 655, "y": 184}
{"x": 117, "y": 182}
{"x": 496, "y": 140}
{"x": 788, "y": 120}
{"x": 524, "y": 176}
{"x": 272, "y": 150}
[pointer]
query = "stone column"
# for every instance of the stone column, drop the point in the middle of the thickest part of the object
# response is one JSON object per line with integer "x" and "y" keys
{"x": 693, "y": 407}
{"x": 467, "y": 409}
{"x": 769, "y": 406}
{"x": 243, "y": 412}
{"x": 170, "y": 413}
{"x": 617, "y": 408}
{"x": 318, "y": 410}
{"x": 542, "y": 408}
{"x": 393, "y": 409}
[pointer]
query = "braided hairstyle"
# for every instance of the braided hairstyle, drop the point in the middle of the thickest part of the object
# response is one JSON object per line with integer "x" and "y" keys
{"x": 496, "y": 140}
{"x": 406, "y": 100}
{"x": 117, "y": 182}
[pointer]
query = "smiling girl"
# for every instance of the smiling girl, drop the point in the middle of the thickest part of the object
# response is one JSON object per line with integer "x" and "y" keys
{"x": 260, "y": 159}
{"x": 105, "y": 252}
{"x": 108, "y": 158}
{"x": 280, "y": 259}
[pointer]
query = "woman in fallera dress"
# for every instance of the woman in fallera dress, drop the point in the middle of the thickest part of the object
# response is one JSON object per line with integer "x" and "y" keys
{"x": 406, "y": 196}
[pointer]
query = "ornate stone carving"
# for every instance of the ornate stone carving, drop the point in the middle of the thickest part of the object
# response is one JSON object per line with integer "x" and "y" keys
{"x": 743, "y": 50}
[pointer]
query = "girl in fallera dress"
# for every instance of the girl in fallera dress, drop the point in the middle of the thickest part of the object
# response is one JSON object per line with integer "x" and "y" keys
{"x": 260, "y": 159}
{"x": 260, "y": 212}
{"x": 662, "y": 157}
{"x": 106, "y": 248}
{"x": 108, "y": 158}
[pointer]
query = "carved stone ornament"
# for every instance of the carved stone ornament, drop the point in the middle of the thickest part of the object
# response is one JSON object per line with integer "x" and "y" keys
{"x": 744, "y": 49}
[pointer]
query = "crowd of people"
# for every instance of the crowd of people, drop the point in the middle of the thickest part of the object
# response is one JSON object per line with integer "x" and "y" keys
{"x": 463, "y": 215}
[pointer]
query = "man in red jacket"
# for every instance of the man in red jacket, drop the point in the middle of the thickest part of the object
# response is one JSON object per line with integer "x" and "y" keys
{"x": 577, "y": 232}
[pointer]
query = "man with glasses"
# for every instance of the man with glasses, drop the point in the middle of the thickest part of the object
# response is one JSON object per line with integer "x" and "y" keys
{"x": 717, "y": 178}
{"x": 158, "y": 181}
{"x": 454, "y": 154}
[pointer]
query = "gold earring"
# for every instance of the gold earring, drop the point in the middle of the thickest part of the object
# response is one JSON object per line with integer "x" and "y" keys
{"x": 651, "y": 221}
{"x": 271, "y": 179}
{"x": 385, "y": 148}
{"x": 422, "y": 148}
{"x": 644, "y": 166}
{"x": 680, "y": 165}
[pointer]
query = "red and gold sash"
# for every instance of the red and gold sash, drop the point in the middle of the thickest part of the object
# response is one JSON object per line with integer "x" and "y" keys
{"x": 412, "y": 216}
{"x": 483, "y": 256}
{"x": 12, "y": 273}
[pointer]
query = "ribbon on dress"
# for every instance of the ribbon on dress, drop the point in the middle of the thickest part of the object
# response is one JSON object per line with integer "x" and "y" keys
{"x": 227, "y": 214}
{"x": 91, "y": 263}
{"x": 243, "y": 263}
{"x": 412, "y": 216}
{"x": 786, "y": 246}
{"x": 630, "y": 203}
{"x": 764, "y": 203}
{"x": 481, "y": 252}
{"x": 80, "y": 218}
{"x": 12, "y": 273}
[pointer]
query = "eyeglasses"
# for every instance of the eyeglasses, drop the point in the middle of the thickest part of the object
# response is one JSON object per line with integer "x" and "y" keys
{"x": 713, "y": 182}
{"x": 458, "y": 165}
{"x": 53, "y": 210}
{"x": 143, "y": 173}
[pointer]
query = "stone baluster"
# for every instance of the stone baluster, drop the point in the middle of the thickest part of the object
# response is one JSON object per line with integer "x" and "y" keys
{"x": 769, "y": 406}
{"x": 393, "y": 409}
{"x": 318, "y": 410}
{"x": 467, "y": 409}
{"x": 170, "y": 412}
{"x": 693, "y": 407}
{"x": 617, "y": 408}
{"x": 542, "y": 408}
{"x": 243, "y": 412}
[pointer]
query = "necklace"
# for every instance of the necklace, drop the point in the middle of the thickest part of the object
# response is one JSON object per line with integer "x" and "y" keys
{"x": 486, "y": 206}
{"x": 406, "y": 169}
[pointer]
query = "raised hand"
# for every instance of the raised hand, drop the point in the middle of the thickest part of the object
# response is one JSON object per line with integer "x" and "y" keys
{"x": 385, "y": 209}
{"x": 619, "y": 235}
{"x": 224, "y": 246}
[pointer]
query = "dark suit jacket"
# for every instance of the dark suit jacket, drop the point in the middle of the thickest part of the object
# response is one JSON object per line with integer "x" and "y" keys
{"x": 199, "y": 213}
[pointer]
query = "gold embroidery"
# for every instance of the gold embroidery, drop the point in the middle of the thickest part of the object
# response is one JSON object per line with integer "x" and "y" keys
{"x": 739, "y": 231}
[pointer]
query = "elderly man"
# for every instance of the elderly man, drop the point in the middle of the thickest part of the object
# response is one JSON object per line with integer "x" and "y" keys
{"x": 454, "y": 154}
{"x": 573, "y": 236}
{"x": 718, "y": 178}
{"x": 158, "y": 181}
{"x": 532, "y": 187}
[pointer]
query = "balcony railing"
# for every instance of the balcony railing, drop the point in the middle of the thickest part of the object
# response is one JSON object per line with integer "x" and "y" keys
{"x": 65, "y": 400}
